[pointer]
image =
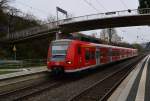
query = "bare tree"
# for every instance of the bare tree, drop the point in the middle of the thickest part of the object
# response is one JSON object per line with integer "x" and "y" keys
{"x": 4, "y": 4}
{"x": 13, "y": 11}
{"x": 106, "y": 34}
{"x": 51, "y": 18}
{"x": 70, "y": 15}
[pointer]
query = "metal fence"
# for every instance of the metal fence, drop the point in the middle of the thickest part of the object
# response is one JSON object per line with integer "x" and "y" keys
{"x": 27, "y": 63}
{"x": 106, "y": 15}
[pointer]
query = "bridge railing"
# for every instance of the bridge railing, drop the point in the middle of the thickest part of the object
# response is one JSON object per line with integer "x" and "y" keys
{"x": 31, "y": 31}
{"x": 53, "y": 25}
{"x": 106, "y": 15}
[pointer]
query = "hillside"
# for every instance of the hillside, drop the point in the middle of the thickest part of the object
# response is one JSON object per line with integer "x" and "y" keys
{"x": 14, "y": 23}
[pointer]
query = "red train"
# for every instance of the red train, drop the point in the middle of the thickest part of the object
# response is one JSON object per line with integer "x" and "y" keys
{"x": 73, "y": 55}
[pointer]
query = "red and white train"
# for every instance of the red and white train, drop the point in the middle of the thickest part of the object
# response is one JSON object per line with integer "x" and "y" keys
{"x": 74, "y": 55}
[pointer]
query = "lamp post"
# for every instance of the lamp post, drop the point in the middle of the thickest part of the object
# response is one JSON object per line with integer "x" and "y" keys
{"x": 14, "y": 50}
{"x": 110, "y": 35}
{"x": 58, "y": 9}
{"x": 8, "y": 29}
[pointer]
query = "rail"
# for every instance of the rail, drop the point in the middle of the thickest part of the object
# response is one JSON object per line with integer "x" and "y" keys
{"x": 22, "y": 81}
{"x": 102, "y": 89}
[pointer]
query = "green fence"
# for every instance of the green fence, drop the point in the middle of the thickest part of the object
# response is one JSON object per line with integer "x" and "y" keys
{"x": 26, "y": 63}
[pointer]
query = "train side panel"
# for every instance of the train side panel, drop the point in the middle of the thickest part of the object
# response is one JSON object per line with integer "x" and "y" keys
{"x": 83, "y": 55}
{"x": 104, "y": 55}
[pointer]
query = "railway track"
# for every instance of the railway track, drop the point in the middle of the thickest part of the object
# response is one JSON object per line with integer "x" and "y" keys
{"x": 102, "y": 89}
{"x": 25, "y": 92}
{"x": 14, "y": 84}
{"x": 38, "y": 91}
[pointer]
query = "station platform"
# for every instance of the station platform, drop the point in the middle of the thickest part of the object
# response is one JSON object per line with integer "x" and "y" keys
{"x": 136, "y": 86}
{"x": 22, "y": 71}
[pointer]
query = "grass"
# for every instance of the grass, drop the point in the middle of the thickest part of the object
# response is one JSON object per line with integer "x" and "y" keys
{"x": 6, "y": 72}
{"x": 22, "y": 64}
{"x": 19, "y": 66}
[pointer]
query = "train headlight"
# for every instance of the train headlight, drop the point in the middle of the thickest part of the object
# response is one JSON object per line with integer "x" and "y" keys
{"x": 68, "y": 62}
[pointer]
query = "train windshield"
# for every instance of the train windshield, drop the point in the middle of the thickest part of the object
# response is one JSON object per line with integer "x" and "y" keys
{"x": 59, "y": 51}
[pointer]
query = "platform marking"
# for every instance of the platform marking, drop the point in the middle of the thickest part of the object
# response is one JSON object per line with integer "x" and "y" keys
{"x": 124, "y": 94}
{"x": 121, "y": 87}
{"x": 141, "y": 89}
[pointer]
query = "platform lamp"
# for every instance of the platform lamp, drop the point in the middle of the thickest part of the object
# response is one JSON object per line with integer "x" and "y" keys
{"x": 14, "y": 50}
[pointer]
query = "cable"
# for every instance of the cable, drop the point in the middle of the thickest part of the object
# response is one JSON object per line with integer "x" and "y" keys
{"x": 101, "y": 5}
{"x": 90, "y": 4}
{"x": 39, "y": 10}
{"x": 124, "y": 4}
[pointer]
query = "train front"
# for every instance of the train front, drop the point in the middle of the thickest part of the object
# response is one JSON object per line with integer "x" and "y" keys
{"x": 57, "y": 56}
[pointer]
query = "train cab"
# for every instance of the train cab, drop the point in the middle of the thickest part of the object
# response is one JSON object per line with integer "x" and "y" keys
{"x": 57, "y": 55}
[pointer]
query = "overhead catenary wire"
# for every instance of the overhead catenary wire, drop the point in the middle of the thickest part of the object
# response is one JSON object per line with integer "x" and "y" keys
{"x": 37, "y": 9}
{"x": 101, "y": 5}
{"x": 124, "y": 4}
{"x": 91, "y": 5}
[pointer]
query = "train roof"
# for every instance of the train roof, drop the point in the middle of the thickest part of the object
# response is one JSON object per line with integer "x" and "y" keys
{"x": 95, "y": 44}
{"x": 103, "y": 45}
{"x": 62, "y": 40}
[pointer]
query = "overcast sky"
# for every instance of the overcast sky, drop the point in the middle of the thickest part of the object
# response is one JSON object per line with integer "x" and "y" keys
{"x": 44, "y": 8}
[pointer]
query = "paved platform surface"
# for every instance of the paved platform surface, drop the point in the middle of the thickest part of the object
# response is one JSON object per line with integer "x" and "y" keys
{"x": 136, "y": 87}
{"x": 22, "y": 71}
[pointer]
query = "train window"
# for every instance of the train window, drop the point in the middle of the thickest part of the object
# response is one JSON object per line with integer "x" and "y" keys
{"x": 92, "y": 55}
{"x": 110, "y": 52}
{"x": 59, "y": 52}
{"x": 97, "y": 54}
{"x": 115, "y": 53}
{"x": 118, "y": 53}
{"x": 87, "y": 55}
{"x": 102, "y": 53}
{"x": 59, "y": 49}
{"x": 79, "y": 50}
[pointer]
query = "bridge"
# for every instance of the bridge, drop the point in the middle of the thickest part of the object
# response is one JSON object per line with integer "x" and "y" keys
{"x": 123, "y": 18}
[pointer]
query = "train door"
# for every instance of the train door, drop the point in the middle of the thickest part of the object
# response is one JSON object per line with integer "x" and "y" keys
{"x": 78, "y": 57}
{"x": 87, "y": 56}
{"x": 97, "y": 55}
{"x": 110, "y": 54}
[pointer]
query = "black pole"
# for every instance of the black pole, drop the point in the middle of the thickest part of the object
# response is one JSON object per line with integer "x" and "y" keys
{"x": 57, "y": 34}
{"x": 110, "y": 35}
